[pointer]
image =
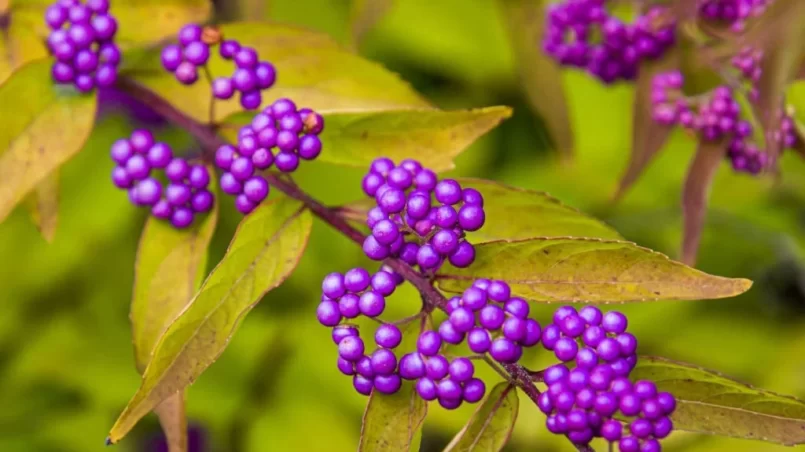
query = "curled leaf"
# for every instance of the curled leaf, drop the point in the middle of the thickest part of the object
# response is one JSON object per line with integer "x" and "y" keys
{"x": 695, "y": 194}
{"x": 490, "y": 428}
{"x": 708, "y": 402}
{"x": 553, "y": 270}
{"x": 391, "y": 422}
{"x": 264, "y": 251}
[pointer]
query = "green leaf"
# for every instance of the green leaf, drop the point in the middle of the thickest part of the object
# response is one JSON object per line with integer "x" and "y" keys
{"x": 695, "y": 194}
{"x": 540, "y": 76}
{"x": 19, "y": 43}
{"x": 173, "y": 420}
{"x": 708, "y": 402}
{"x": 433, "y": 137}
{"x": 364, "y": 15}
{"x": 138, "y": 21}
{"x": 265, "y": 250}
{"x": 553, "y": 270}
{"x": 514, "y": 213}
{"x": 43, "y": 206}
{"x": 171, "y": 264}
{"x": 391, "y": 421}
{"x": 312, "y": 69}
{"x": 44, "y": 125}
{"x": 491, "y": 426}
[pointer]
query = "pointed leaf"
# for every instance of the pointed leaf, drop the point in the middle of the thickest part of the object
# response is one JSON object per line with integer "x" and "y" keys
{"x": 433, "y": 137}
{"x": 648, "y": 136}
{"x": 43, "y": 126}
{"x": 265, "y": 250}
{"x": 43, "y": 206}
{"x": 490, "y": 428}
{"x": 392, "y": 421}
{"x": 540, "y": 76}
{"x": 695, "y": 194}
{"x": 552, "y": 270}
{"x": 708, "y": 402}
{"x": 138, "y": 21}
{"x": 173, "y": 420}
{"x": 514, "y": 213}
{"x": 365, "y": 14}
{"x": 313, "y": 70}
{"x": 171, "y": 264}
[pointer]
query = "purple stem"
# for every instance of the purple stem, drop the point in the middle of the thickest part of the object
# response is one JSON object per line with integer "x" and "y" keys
{"x": 210, "y": 141}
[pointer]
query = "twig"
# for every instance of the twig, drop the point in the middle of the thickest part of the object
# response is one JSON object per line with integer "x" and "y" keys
{"x": 210, "y": 142}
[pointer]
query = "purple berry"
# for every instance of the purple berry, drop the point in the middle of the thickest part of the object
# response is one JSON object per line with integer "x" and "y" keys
{"x": 189, "y": 34}
{"x": 256, "y": 189}
{"x": 246, "y": 57}
{"x": 614, "y": 322}
{"x": 286, "y": 161}
{"x": 372, "y": 304}
{"x": 159, "y": 155}
{"x": 197, "y": 53}
{"x": 186, "y": 73}
{"x": 449, "y": 333}
{"x": 362, "y": 384}
{"x": 505, "y": 351}
{"x": 383, "y": 361}
{"x": 177, "y": 194}
{"x": 105, "y": 27}
{"x": 230, "y": 185}
{"x": 349, "y": 305}
{"x": 182, "y": 217}
{"x": 202, "y": 201}
{"x": 162, "y": 210}
{"x": 138, "y": 167}
{"x": 223, "y": 88}
{"x": 309, "y": 147}
{"x": 228, "y": 49}
{"x": 426, "y": 388}
{"x": 251, "y": 100}
{"x": 429, "y": 343}
{"x": 388, "y": 336}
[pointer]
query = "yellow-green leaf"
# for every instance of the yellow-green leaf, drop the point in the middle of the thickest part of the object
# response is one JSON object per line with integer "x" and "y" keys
{"x": 540, "y": 76}
{"x": 490, "y": 428}
{"x": 43, "y": 125}
{"x": 173, "y": 420}
{"x": 433, "y": 137}
{"x": 391, "y": 421}
{"x": 19, "y": 43}
{"x": 708, "y": 402}
{"x": 312, "y": 69}
{"x": 43, "y": 206}
{"x": 171, "y": 264}
{"x": 514, "y": 213}
{"x": 265, "y": 250}
{"x": 138, "y": 21}
{"x": 570, "y": 269}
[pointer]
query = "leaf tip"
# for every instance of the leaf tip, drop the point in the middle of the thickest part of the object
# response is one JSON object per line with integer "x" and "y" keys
{"x": 108, "y": 441}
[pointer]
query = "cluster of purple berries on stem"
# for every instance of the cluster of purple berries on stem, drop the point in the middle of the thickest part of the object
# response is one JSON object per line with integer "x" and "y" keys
{"x": 251, "y": 76}
{"x": 735, "y": 13}
{"x": 186, "y": 193}
{"x": 278, "y": 136}
{"x": 582, "y": 34}
{"x": 185, "y": 58}
{"x": 419, "y": 218}
{"x": 81, "y": 39}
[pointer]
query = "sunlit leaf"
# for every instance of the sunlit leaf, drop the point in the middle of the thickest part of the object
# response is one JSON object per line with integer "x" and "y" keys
{"x": 648, "y": 136}
{"x": 139, "y": 21}
{"x": 43, "y": 206}
{"x": 312, "y": 69}
{"x": 540, "y": 75}
{"x": 19, "y": 43}
{"x": 490, "y": 428}
{"x": 265, "y": 250}
{"x": 432, "y": 137}
{"x": 173, "y": 420}
{"x": 391, "y": 421}
{"x": 695, "y": 194}
{"x": 559, "y": 269}
{"x": 365, "y": 14}
{"x": 708, "y": 402}
{"x": 47, "y": 125}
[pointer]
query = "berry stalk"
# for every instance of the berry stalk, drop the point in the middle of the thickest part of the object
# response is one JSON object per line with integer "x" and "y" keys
{"x": 210, "y": 142}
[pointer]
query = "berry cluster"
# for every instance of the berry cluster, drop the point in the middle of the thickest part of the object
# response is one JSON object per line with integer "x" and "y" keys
{"x": 582, "y": 34}
{"x": 295, "y": 135}
{"x": 347, "y": 296}
{"x": 249, "y": 79}
{"x": 735, "y": 13}
{"x": 407, "y": 223}
{"x": 583, "y": 402}
{"x": 185, "y": 58}
{"x": 747, "y": 62}
{"x": 186, "y": 193}
{"x": 81, "y": 39}
{"x": 437, "y": 378}
{"x": 668, "y": 104}
{"x": 490, "y": 320}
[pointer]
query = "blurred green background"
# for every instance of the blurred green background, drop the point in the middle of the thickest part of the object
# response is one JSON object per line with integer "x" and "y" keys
{"x": 66, "y": 360}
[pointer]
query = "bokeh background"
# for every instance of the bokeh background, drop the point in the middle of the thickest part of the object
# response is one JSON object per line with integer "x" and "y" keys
{"x": 66, "y": 359}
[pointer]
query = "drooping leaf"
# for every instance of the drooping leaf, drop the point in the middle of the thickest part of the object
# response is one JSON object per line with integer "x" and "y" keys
{"x": 173, "y": 420}
{"x": 433, "y": 137}
{"x": 43, "y": 206}
{"x": 171, "y": 264}
{"x": 43, "y": 126}
{"x": 19, "y": 44}
{"x": 648, "y": 136}
{"x": 779, "y": 34}
{"x": 312, "y": 69}
{"x": 540, "y": 76}
{"x": 570, "y": 269}
{"x": 265, "y": 250}
{"x": 391, "y": 422}
{"x": 490, "y": 428}
{"x": 708, "y": 402}
{"x": 695, "y": 194}
{"x": 514, "y": 213}
{"x": 364, "y": 15}
{"x": 138, "y": 21}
